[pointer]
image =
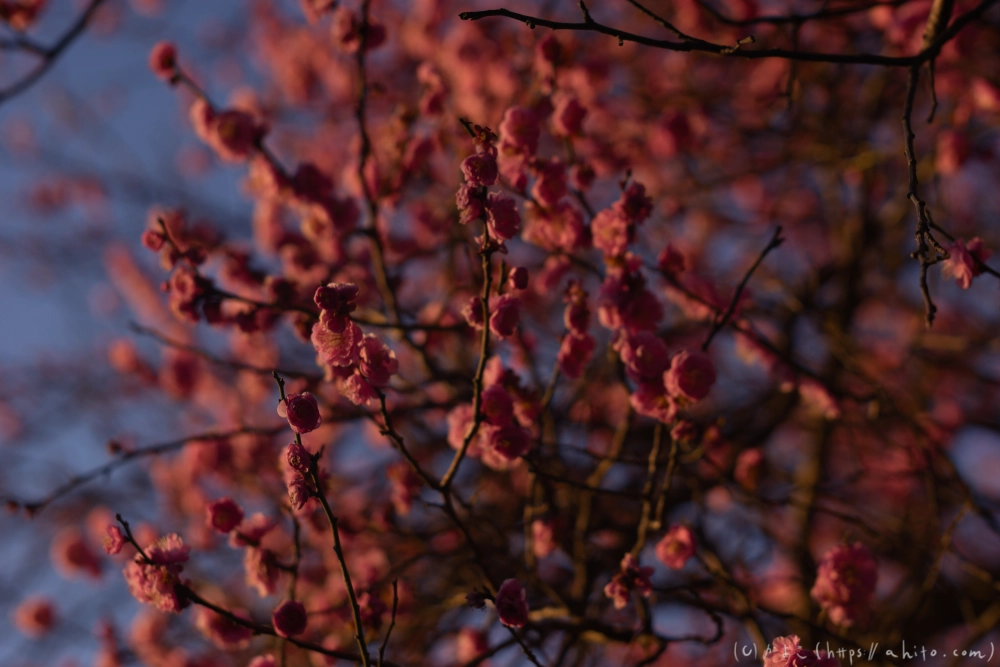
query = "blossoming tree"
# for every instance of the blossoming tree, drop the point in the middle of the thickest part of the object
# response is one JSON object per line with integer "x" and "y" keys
{"x": 550, "y": 333}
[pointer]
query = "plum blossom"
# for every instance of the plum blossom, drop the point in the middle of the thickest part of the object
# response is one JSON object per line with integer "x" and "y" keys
{"x": 961, "y": 263}
{"x": 567, "y": 117}
{"x": 519, "y": 130}
{"x": 35, "y": 616}
{"x": 234, "y": 134}
{"x": 512, "y": 604}
{"x": 845, "y": 583}
{"x": 72, "y": 555}
{"x": 575, "y": 352}
{"x": 156, "y": 581}
{"x": 163, "y": 60}
{"x": 631, "y": 577}
{"x": 113, "y": 540}
{"x": 510, "y": 441}
{"x": 644, "y": 354}
{"x": 336, "y": 347}
{"x": 289, "y": 618}
{"x": 299, "y": 492}
{"x": 676, "y": 547}
{"x": 223, "y": 515}
{"x": 480, "y": 169}
{"x": 260, "y": 567}
{"x": 690, "y": 376}
{"x": 298, "y": 458}
{"x": 301, "y": 411}
{"x": 502, "y": 218}
{"x": 376, "y": 361}
{"x": 517, "y": 279}
{"x": 505, "y": 315}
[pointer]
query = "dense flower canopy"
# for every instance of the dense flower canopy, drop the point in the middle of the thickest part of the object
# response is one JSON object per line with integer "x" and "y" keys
{"x": 555, "y": 334}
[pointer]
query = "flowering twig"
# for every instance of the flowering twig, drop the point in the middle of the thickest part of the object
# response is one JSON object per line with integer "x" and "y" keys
{"x": 337, "y": 547}
{"x": 477, "y": 381}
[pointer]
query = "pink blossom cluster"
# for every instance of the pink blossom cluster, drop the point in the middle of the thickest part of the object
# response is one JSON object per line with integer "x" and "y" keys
{"x": 845, "y": 583}
{"x": 631, "y": 577}
{"x": 363, "y": 362}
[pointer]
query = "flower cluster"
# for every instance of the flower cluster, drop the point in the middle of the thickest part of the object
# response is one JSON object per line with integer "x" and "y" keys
{"x": 631, "y": 577}
{"x": 845, "y": 583}
{"x": 155, "y": 578}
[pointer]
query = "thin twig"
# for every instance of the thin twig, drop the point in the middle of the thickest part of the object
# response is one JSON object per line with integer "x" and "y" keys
{"x": 719, "y": 322}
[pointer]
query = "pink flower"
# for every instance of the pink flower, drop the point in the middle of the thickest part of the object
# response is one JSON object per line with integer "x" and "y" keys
{"x": 357, "y": 389}
{"x": 347, "y": 32}
{"x": 518, "y": 278}
{"x": 676, "y": 547}
{"x": 470, "y": 644}
{"x": 223, "y": 515}
{"x": 201, "y": 116}
{"x": 469, "y": 202}
{"x": 625, "y": 303}
{"x": 222, "y": 631}
{"x": 512, "y": 604}
{"x": 336, "y": 348}
{"x": 376, "y": 361}
{"x": 168, "y": 550}
{"x": 35, "y": 617}
{"x": 157, "y": 582}
{"x": 289, "y": 619}
{"x": 299, "y": 492}
{"x": 113, "y": 540}
{"x": 480, "y": 169}
{"x": 496, "y": 404}
{"x": 337, "y": 299}
{"x": 505, "y": 315}
{"x": 645, "y": 355}
{"x": 263, "y": 661}
{"x": 301, "y": 411}
{"x": 567, "y": 117}
{"x": 543, "y": 537}
{"x": 748, "y": 468}
{"x": 551, "y": 184}
{"x": 576, "y": 317}
{"x": 163, "y": 60}
{"x": 405, "y": 486}
{"x": 502, "y": 218}
{"x": 671, "y": 261}
{"x": 72, "y": 555}
{"x": 251, "y": 531}
{"x": 575, "y": 352}
{"x": 510, "y": 441}
{"x": 298, "y": 458}
{"x": 962, "y": 264}
{"x": 788, "y": 652}
{"x": 560, "y": 227}
{"x": 630, "y": 578}
{"x": 650, "y": 399}
{"x": 612, "y": 232}
{"x": 845, "y": 583}
{"x": 260, "y": 568}
{"x": 519, "y": 130}
{"x": 234, "y": 134}
{"x": 633, "y": 204}
{"x": 690, "y": 376}
{"x": 155, "y": 585}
